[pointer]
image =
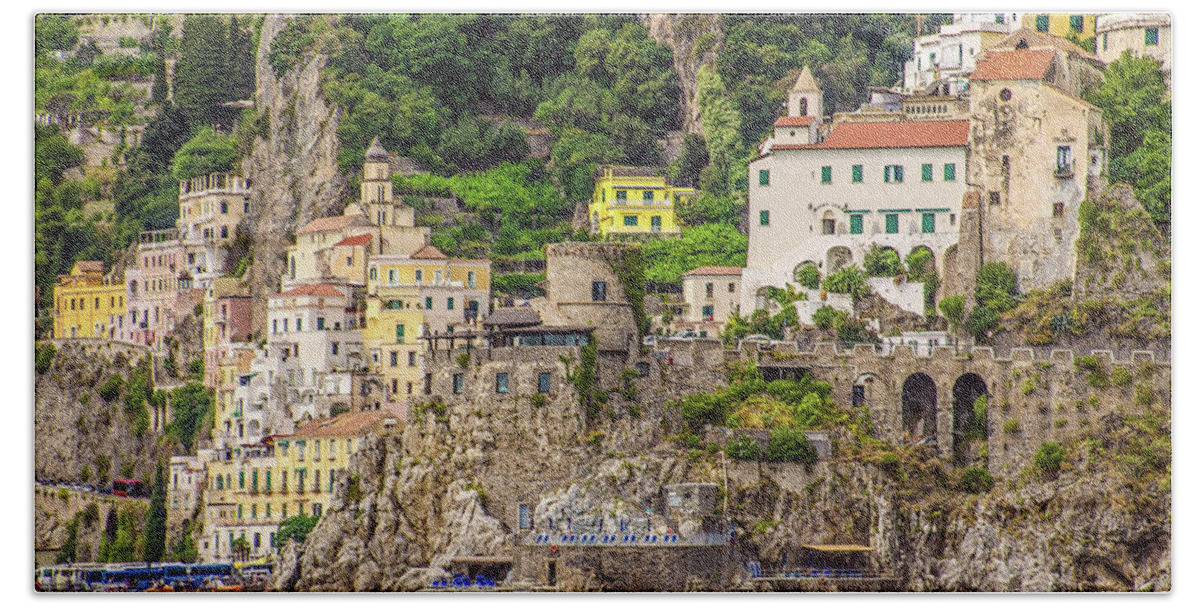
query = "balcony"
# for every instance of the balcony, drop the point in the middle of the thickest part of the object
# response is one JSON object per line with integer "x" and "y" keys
{"x": 1064, "y": 171}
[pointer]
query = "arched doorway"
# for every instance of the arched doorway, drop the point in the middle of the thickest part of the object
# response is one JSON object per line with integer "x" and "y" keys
{"x": 918, "y": 400}
{"x": 970, "y": 418}
{"x": 863, "y": 397}
{"x": 837, "y": 258}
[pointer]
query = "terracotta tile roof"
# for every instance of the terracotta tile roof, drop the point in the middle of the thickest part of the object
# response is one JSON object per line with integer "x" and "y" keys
{"x": 1039, "y": 40}
{"x": 350, "y": 424}
{"x": 794, "y": 121}
{"x": 429, "y": 252}
{"x": 902, "y": 134}
{"x": 312, "y": 289}
{"x": 714, "y": 271}
{"x": 361, "y": 239}
{"x": 1025, "y": 64}
{"x": 90, "y": 266}
{"x": 336, "y": 222}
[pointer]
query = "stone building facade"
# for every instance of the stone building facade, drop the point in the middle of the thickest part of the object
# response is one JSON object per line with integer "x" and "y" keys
{"x": 711, "y": 296}
{"x": 1142, "y": 34}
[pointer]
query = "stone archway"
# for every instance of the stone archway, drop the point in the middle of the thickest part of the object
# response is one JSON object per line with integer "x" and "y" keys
{"x": 837, "y": 258}
{"x": 970, "y": 423}
{"x": 918, "y": 407}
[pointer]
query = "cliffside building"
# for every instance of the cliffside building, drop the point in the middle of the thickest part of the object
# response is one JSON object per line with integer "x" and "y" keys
{"x": 88, "y": 303}
{"x": 1142, "y": 34}
{"x": 636, "y": 200}
{"x": 711, "y": 295}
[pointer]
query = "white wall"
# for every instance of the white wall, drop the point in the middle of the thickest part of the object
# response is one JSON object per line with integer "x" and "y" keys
{"x": 908, "y": 296}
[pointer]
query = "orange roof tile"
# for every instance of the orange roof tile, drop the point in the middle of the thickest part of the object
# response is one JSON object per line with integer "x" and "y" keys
{"x": 336, "y": 222}
{"x": 311, "y": 289}
{"x": 714, "y": 270}
{"x": 90, "y": 266}
{"x": 902, "y": 134}
{"x": 1025, "y": 64}
{"x": 1040, "y": 40}
{"x": 343, "y": 425}
{"x": 361, "y": 239}
{"x": 794, "y": 121}
{"x": 429, "y": 252}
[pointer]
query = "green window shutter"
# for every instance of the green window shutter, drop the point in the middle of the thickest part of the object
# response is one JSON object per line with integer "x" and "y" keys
{"x": 631, "y": 220}
{"x": 1151, "y": 36}
{"x": 241, "y": 480}
{"x": 428, "y": 303}
{"x": 927, "y": 222}
{"x": 856, "y": 222}
{"x": 948, "y": 172}
{"x": 622, "y": 195}
{"x": 856, "y": 173}
{"x": 764, "y": 177}
{"x": 399, "y": 334}
{"x": 1042, "y": 23}
{"x": 927, "y": 172}
{"x": 449, "y": 303}
{"x": 898, "y": 171}
{"x": 268, "y": 483}
{"x": 647, "y": 195}
{"x": 892, "y": 222}
{"x": 1077, "y": 23}
{"x": 826, "y": 174}
{"x": 764, "y": 218}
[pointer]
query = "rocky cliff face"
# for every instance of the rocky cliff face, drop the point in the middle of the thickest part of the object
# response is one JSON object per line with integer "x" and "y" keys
{"x": 694, "y": 39}
{"x": 449, "y": 487}
{"x": 74, "y": 428}
{"x": 294, "y": 169}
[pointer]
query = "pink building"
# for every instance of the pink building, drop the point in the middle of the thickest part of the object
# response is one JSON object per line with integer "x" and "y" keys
{"x": 153, "y": 285}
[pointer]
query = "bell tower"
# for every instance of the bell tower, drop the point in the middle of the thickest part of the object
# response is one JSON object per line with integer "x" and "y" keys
{"x": 376, "y": 190}
{"x": 805, "y": 97}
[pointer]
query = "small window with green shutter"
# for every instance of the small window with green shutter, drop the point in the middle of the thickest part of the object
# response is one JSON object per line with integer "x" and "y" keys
{"x": 1042, "y": 23}
{"x": 764, "y": 218}
{"x": 622, "y": 195}
{"x": 631, "y": 220}
{"x": 856, "y": 222}
{"x": 1076, "y": 22}
{"x": 927, "y": 172}
{"x": 892, "y": 223}
{"x": 826, "y": 174}
{"x": 399, "y": 334}
{"x": 647, "y": 195}
{"x": 856, "y": 174}
{"x": 948, "y": 172}
{"x": 1151, "y": 36}
{"x": 927, "y": 223}
{"x": 764, "y": 177}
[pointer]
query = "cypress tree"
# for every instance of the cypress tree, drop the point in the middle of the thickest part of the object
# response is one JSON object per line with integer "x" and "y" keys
{"x": 156, "y": 518}
{"x": 241, "y": 60}
{"x": 202, "y": 80}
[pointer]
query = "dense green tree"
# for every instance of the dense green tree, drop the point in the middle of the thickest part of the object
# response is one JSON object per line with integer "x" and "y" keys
{"x": 54, "y": 33}
{"x": 882, "y": 262}
{"x": 203, "y": 80}
{"x": 241, "y": 60}
{"x": 693, "y": 158}
{"x": 996, "y": 287}
{"x": 295, "y": 528}
{"x": 156, "y": 518}
{"x": 1148, "y": 170}
{"x": 193, "y": 411}
{"x": 207, "y": 152}
{"x": 1133, "y": 98}
{"x": 704, "y": 245}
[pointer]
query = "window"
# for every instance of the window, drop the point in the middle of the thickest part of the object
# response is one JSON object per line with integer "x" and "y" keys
{"x": 927, "y": 172}
{"x": 1104, "y": 41}
{"x": 254, "y": 513}
{"x": 828, "y": 226}
{"x": 1151, "y": 36}
{"x": 268, "y": 482}
{"x": 731, "y": 288}
{"x": 892, "y": 223}
{"x": 993, "y": 197}
{"x": 374, "y": 274}
{"x": 224, "y": 207}
{"x": 1042, "y": 23}
{"x": 449, "y": 303}
{"x": 399, "y": 334}
{"x": 927, "y": 223}
{"x": 599, "y": 291}
{"x": 708, "y": 290}
{"x": 647, "y": 195}
{"x": 395, "y": 358}
{"x": 349, "y": 260}
{"x": 544, "y": 382}
{"x": 656, "y": 223}
{"x": 299, "y": 324}
{"x": 458, "y": 384}
{"x": 418, "y": 274}
{"x": 1058, "y": 209}
{"x": 948, "y": 172}
{"x": 428, "y": 302}
{"x": 471, "y": 279}
{"x": 827, "y": 175}
{"x": 1063, "y": 159}
{"x": 502, "y": 382}
{"x": 1076, "y": 22}
{"x": 239, "y": 511}
{"x": 764, "y": 177}
{"x": 524, "y": 518}
{"x": 392, "y": 276}
{"x": 630, "y": 220}
{"x": 856, "y": 223}
{"x": 622, "y": 195}
{"x": 334, "y": 349}
{"x": 241, "y": 480}
{"x": 320, "y": 322}
{"x": 707, "y": 313}
{"x": 856, "y": 174}
{"x": 412, "y": 358}
{"x": 764, "y": 218}
{"x": 893, "y": 173}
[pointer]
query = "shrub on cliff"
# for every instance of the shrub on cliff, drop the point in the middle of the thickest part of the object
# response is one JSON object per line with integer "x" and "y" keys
{"x": 43, "y": 357}
{"x": 977, "y": 480}
{"x": 790, "y": 445}
{"x": 1048, "y": 458}
{"x": 112, "y": 388}
{"x": 744, "y": 448}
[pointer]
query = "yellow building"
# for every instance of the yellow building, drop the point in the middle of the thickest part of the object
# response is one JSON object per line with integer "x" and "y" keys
{"x": 87, "y": 302}
{"x": 409, "y": 296}
{"x": 309, "y": 462}
{"x": 1061, "y": 24}
{"x": 636, "y": 200}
